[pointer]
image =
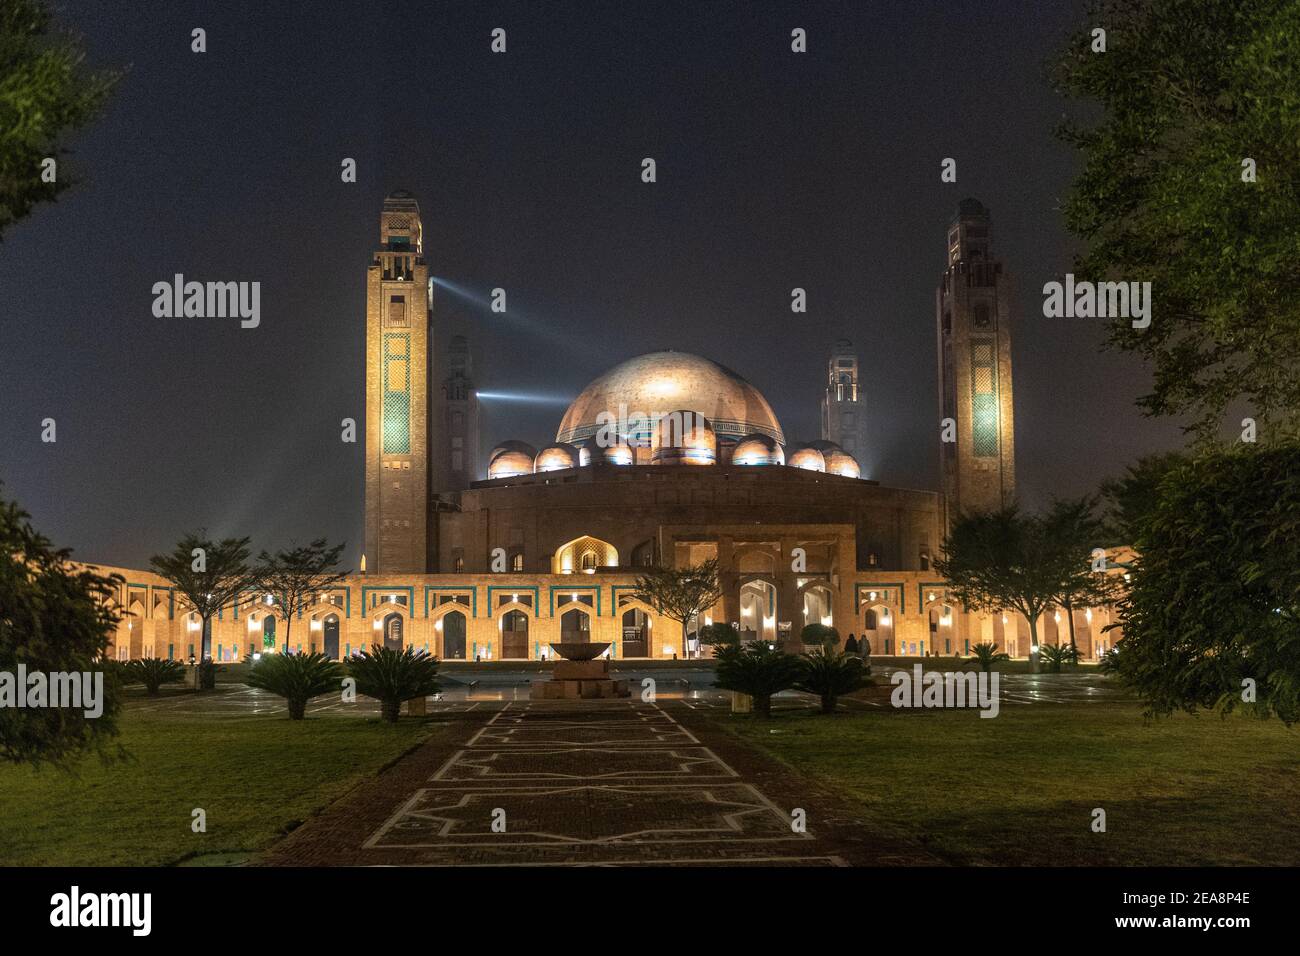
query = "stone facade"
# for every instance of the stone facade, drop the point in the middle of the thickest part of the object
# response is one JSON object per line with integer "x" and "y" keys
{"x": 973, "y": 307}
{"x": 844, "y": 407}
{"x": 397, "y": 393}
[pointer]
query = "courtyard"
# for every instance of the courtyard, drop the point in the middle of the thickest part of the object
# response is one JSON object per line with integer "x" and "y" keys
{"x": 488, "y": 777}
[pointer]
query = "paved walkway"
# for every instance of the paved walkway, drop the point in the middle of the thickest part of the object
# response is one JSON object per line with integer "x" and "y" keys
{"x": 588, "y": 783}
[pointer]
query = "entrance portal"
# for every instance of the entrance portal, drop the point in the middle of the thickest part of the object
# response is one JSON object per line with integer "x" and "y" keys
{"x": 330, "y": 630}
{"x": 636, "y": 633}
{"x": 514, "y": 635}
{"x": 453, "y": 636}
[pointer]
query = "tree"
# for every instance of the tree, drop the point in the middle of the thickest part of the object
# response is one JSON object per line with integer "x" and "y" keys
{"x": 209, "y": 577}
{"x": 819, "y": 635}
{"x": 294, "y": 577}
{"x": 1129, "y": 499}
{"x": 757, "y": 669}
{"x": 1189, "y": 183}
{"x": 296, "y": 677}
{"x": 1076, "y": 530}
{"x": 55, "y": 618}
{"x": 681, "y": 594}
{"x": 153, "y": 672}
{"x": 45, "y": 92}
{"x": 1211, "y": 618}
{"x": 394, "y": 676}
{"x": 830, "y": 675}
{"x": 987, "y": 654}
{"x": 1004, "y": 559}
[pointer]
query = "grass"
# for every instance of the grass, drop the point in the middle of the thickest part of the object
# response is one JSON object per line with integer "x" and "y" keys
{"x": 256, "y": 776}
{"x": 1020, "y": 789}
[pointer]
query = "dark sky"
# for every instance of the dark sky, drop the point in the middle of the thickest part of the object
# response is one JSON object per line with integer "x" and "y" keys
{"x": 775, "y": 170}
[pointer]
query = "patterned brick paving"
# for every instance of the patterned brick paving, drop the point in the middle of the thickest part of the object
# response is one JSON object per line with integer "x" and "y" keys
{"x": 578, "y": 783}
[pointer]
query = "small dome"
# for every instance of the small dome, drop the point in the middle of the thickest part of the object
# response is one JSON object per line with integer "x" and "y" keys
{"x": 590, "y": 452}
{"x": 511, "y": 459}
{"x": 556, "y": 458}
{"x": 685, "y": 437}
{"x": 758, "y": 450}
{"x": 809, "y": 459}
{"x": 840, "y": 462}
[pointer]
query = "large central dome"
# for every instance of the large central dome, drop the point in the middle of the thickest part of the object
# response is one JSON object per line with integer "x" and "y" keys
{"x": 659, "y": 383}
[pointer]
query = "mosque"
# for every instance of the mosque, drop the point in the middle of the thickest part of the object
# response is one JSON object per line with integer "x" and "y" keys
{"x": 667, "y": 459}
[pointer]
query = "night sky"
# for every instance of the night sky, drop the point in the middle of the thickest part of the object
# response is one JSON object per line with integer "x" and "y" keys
{"x": 775, "y": 170}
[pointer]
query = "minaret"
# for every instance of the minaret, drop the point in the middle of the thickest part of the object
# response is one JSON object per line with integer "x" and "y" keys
{"x": 844, "y": 411}
{"x": 973, "y": 307}
{"x": 460, "y": 402}
{"x": 397, "y": 393}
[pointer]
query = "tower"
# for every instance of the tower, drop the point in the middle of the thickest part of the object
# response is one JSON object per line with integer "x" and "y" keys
{"x": 397, "y": 393}
{"x": 973, "y": 307}
{"x": 844, "y": 413}
{"x": 460, "y": 403}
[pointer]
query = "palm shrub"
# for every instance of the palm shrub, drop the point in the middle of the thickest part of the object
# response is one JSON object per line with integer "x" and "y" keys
{"x": 394, "y": 676}
{"x": 986, "y": 655}
{"x": 757, "y": 669}
{"x": 153, "y": 672}
{"x": 829, "y": 675}
{"x": 207, "y": 674}
{"x": 295, "y": 677}
{"x": 1057, "y": 654}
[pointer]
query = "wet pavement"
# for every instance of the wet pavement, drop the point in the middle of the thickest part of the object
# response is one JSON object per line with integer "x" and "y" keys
{"x": 467, "y": 690}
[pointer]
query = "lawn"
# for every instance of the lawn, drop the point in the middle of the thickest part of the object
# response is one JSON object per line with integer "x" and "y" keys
{"x": 255, "y": 776}
{"x": 1020, "y": 788}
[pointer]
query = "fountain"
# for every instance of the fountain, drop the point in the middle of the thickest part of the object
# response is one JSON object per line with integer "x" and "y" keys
{"x": 581, "y": 675}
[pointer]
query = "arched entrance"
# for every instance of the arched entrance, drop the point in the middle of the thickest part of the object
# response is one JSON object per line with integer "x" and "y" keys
{"x": 878, "y": 630}
{"x": 330, "y": 637}
{"x": 943, "y": 632}
{"x": 758, "y": 611}
{"x": 514, "y": 635}
{"x": 268, "y": 633}
{"x": 817, "y": 605}
{"x": 393, "y": 631}
{"x": 636, "y": 633}
{"x": 575, "y": 626}
{"x": 453, "y": 636}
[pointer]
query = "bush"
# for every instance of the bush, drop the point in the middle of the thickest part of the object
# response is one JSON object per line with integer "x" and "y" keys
{"x": 819, "y": 635}
{"x": 986, "y": 655}
{"x": 1213, "y": 607}
{"x": 716, "y": 635}
{"x": 394, "y": 676}
{"x": 153, "y": 672}
{"x": 758, "y": 670}
{"x": 829, "y": 676}
{"x": 295, "y": 677}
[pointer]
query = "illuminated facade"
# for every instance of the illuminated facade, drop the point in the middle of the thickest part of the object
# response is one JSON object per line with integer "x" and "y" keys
{"x": 667, "y": 459}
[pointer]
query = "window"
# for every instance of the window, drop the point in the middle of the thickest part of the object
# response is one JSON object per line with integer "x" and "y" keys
{"x": 984, "y": 399}
{"x": 517, "y": 561}
{"x": 588, "y": 560}
{"x": 459, "y": 564}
